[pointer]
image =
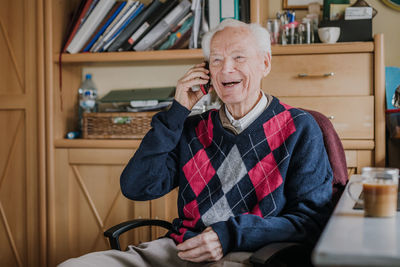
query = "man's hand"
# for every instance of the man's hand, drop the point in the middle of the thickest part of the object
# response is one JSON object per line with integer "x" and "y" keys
{"x": 204, "y": 247}
{"x": 195, "y": 76}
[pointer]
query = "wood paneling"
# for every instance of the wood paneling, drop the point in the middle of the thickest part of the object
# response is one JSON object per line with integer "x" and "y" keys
{"x": 19, "y": 178}
{"x": 89, "y": 201}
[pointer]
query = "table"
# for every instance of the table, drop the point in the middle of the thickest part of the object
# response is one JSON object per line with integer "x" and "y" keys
{"x": 350, "y": 239}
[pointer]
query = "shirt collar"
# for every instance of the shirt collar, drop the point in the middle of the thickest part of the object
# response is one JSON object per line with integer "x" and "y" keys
{"x": 253, "y": 114}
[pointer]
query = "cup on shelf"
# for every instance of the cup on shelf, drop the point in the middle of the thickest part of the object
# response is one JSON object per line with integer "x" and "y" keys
{"x": 329, "y": 35}
{"x": 380, "y": 191}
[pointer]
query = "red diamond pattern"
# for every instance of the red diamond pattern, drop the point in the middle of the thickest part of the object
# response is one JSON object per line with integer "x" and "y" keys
{"x": 278, "y": 129}
{"x": 198, "y": 171}
{"x": 204, "y": 131}
{"x": 265, "y": 176}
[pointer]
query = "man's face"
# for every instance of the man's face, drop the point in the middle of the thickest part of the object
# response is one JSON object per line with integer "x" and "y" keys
{"x": 237, "y": 66}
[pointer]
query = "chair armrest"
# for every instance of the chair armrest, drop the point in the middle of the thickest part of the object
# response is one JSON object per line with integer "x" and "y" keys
{"x": 114, "y": 232}
{"x": 269, "y": 255}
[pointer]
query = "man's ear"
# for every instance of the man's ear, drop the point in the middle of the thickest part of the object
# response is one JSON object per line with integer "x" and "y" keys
{"x": 267, "y": 64}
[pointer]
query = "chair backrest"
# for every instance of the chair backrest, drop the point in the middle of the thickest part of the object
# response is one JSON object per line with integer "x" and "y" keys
{"x": 336, "y": 155}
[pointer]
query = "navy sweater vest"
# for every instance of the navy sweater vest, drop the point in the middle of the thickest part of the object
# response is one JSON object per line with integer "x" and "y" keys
{"x": 270, "y": 183}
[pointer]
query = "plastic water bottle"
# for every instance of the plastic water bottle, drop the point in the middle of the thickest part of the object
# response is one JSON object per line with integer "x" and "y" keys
{"x": 87, "y": 94}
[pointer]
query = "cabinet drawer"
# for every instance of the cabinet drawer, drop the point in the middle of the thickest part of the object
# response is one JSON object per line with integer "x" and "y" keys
{"x": 352, "y": 117}
{"x": 352, "y": 75}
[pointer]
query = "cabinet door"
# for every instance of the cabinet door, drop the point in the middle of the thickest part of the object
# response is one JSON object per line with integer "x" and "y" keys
{"x": 21, "y": 237}
{"x": 89, "y": 201}
{"x": 357, "y": 159}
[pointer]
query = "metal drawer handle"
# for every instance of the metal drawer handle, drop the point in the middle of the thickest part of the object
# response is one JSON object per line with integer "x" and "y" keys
{"x": 331, "y": 117}
{"x": 305, "y": 75}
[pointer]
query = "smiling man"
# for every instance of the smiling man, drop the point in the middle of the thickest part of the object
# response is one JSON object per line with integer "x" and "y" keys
{"x": 251, "y": 173}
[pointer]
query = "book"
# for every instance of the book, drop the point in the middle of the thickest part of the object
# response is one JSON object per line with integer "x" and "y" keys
{"x": 185, "y": 25}
{"x": 229, "y": 9}
{"x": 128, "y": 95}
{"x": 183, "y": 41}
{"x": 103, "y": 25}
{"x": 76, "y": 22}
{"x": 129, "y": 3}
{"x": 146, "y": 26}
{"x": 213, "y": 13}
{"x": 244, "y": 11}
{"x": 85, "y": 31}
{"x": 91, "y": 7}
{"x": 124, "y": 15}
{"x": 197, "y": 14}
{"x": 137, "y": 11}
{"x": 133, "y": 26}
{"x": 164, "y": 26}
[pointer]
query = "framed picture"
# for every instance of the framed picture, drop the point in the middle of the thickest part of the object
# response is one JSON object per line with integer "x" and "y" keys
{"x": 299, "y": 4}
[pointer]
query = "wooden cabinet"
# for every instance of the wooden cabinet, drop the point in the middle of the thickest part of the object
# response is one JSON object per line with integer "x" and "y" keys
{"x": 89, "y": 201}
{"x": 344, "y": 81}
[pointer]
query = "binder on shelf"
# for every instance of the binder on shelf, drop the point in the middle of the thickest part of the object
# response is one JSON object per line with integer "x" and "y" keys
{"x": 244, "y": 11}
{"x": 124, "y": 10}
{"x": 115, "y": 27}
{"x": 86, "y": 30}
{"x": 91, "y": 7}
{"x": 229, "y": 9}
{"x": 197, "y": 19}
{"x": 123, "y": 26}
{"x": 213, "y": 13}
{"x": 184, "y": 26}
{"x": 133, "y": 26}
{"x": 76, "y": 22}
{"x": 149, "y": 24}
{"x": 103, "y": 26}
{"x": 164, "y": 26}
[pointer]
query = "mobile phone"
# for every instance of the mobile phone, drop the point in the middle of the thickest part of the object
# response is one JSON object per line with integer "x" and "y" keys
{"x": 206, "y": 87}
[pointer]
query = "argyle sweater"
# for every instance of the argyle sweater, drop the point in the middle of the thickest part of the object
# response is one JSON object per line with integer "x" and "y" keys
{"x": 270, "y": 183}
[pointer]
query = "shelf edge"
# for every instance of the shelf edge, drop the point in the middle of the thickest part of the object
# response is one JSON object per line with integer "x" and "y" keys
{"x": 191, "y": 54}
{"x": 96, "y": 143}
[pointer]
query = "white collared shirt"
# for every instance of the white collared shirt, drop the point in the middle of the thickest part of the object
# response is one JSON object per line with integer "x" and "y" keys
{"x": 245, "y": 121}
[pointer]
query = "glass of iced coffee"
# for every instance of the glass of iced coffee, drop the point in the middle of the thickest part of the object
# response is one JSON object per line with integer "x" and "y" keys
{"x": 380, "y": 190}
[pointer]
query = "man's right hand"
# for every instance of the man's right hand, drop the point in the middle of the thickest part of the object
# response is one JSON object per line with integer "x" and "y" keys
{"x": 195, "y": 76}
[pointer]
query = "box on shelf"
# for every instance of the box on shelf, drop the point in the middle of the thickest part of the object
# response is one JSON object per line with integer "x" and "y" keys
{"x": 351, "y": 30}
{"x": 110, "y": 125}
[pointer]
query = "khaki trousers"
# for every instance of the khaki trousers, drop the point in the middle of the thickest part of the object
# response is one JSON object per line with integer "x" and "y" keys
{"x": 157, "y": 253}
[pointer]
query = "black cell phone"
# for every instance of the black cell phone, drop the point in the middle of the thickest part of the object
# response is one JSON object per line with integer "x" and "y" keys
{"x": 206, "y": 87}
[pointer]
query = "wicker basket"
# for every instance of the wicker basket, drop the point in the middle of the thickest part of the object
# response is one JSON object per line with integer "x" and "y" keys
{"x": 127, "y": 125}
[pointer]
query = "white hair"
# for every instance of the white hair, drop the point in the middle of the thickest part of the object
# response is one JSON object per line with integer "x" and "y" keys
{"x": 261, "y": 35}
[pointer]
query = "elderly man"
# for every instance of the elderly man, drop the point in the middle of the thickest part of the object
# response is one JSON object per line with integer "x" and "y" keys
{"x": 254, "y": 172}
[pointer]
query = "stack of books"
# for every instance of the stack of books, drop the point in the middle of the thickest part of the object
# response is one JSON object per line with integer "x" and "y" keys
{"x": 137, "y": 100}
{"x": 124, "y": 25}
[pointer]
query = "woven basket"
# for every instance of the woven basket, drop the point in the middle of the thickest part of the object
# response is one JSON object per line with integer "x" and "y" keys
{"x": 127, "y": 125}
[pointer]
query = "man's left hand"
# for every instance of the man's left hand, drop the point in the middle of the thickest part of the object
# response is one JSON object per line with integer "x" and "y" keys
{"x": 203, "y": 247}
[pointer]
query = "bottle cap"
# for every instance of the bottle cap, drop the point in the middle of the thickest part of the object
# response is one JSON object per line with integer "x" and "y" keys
{"x": 88, "y": 76}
